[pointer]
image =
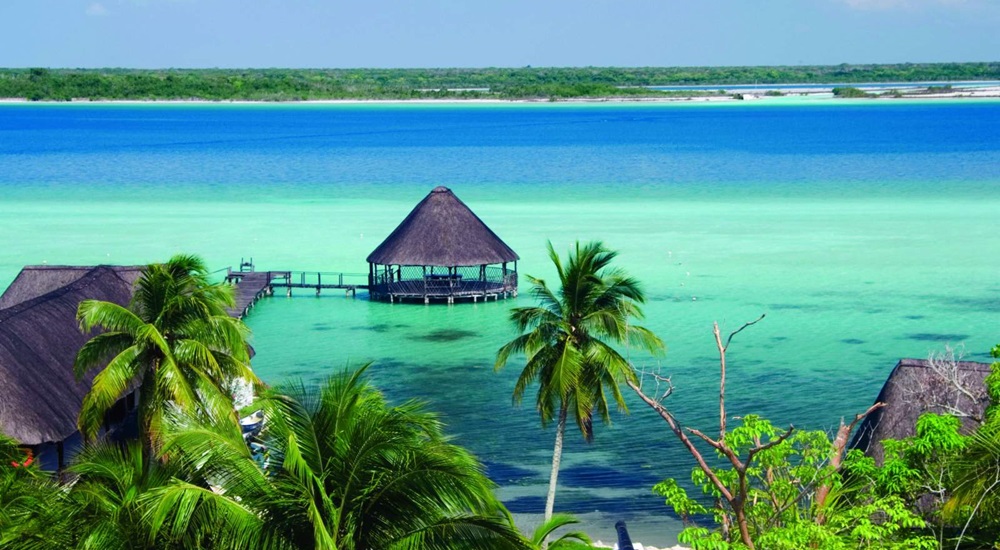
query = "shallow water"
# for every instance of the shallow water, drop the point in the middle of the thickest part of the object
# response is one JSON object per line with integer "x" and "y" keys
{"x": 865, "y": 231}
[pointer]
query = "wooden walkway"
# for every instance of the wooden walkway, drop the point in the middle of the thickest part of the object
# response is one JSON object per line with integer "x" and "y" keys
{"x": 251, "y": 286}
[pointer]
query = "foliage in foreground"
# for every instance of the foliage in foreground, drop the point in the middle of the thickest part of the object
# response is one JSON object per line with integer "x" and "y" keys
{"x": 936, "y": 489}
{"x": 345, "y": 470}
{"x": 175, "y": 342}
{"x": 783, "y": 510}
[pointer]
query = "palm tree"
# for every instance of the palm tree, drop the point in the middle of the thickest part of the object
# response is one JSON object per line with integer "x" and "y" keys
{"x": 567, "y": 340}
{"x": 175, "y": 342}
{"x": 346, "y": 471}
{"x": 33, "y": 510}
{"x": 108, "y": 497}
{"x": 569, "y": 540}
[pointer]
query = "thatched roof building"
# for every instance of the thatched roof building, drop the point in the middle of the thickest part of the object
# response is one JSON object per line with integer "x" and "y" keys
{"x": 442, "y": 250}
{"x": 916, "y": 386}
{"x": 39, "y": 338}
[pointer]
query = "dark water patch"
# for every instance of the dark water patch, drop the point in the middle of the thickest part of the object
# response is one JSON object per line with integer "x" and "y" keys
{"x": 779, "y": 338}
{"x": 582, "y": 502}
{"x": 322, "y": 328}
{"x": 300, "y": 373}
{"x": 986, "y": 305}
{"x": 503, "y": 473}
{"x": 871, "y": 353}
{"x": 381, "y": 328}
{"x": 914, "y": 317}
{"x": 766, "y": 378}
{"x": 445, "y": 335}
{"x": 937, "y": 337}
{"x": 796, "y": 307}
{"x": 591, "y": 477}
{"x": 875, "y": 311}
{"x": 526, "y": 505}
{"x": 749, "y": 362}
{"x": 853, "y": 341}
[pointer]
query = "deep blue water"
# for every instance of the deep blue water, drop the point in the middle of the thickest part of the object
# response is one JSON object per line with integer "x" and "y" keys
{"x": 357, "y": 150}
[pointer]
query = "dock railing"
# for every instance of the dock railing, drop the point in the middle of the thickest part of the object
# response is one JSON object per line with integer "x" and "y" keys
{"x": 318, "y": 279}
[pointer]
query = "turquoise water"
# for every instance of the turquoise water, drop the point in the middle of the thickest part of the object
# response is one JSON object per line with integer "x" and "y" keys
{"x": 866, "y": 232}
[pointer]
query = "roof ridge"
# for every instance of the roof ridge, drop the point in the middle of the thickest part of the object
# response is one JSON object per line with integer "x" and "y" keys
{"x": 85, "y": 280}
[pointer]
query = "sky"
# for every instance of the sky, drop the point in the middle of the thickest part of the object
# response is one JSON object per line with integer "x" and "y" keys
{"x": 492, "y": 33}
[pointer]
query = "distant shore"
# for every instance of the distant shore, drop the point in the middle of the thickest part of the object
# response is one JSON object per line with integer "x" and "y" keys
{"x": 758, "y": 94}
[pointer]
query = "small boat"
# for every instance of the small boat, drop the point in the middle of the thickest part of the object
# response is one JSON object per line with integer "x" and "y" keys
{"x": 252, "y": 423}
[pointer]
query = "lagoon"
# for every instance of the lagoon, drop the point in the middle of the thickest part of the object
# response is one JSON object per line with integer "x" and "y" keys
{"x": 866, "y": 231}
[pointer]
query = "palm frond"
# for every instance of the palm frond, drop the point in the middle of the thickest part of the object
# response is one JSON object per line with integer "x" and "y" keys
{"x": 108, "y": 316}
{"x": 556, "y": 522}
{"x": 108, "y": 386}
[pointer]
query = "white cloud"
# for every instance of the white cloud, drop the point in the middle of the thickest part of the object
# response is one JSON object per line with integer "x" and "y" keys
{"x": 899, "y": 4}
{"x": 96, "y": 9}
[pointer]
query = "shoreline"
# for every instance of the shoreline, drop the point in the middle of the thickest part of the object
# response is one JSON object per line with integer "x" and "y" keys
{"x": 817, "y": 94}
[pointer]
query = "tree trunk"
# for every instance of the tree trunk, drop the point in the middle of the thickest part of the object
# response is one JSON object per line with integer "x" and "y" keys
{"x": 741, "y": 522}
{"x": 550, "y": 500}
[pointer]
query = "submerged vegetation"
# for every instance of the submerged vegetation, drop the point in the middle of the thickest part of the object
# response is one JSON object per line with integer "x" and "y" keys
{"x": 494, "y": 83}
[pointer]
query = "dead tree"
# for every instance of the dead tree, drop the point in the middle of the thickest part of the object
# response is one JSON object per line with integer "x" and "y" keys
{"x": 736, "y": 498}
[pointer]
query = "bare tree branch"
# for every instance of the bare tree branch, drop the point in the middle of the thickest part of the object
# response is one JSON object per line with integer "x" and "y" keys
{"x": 739, "y": 330}
{"x": 685, "y": 440}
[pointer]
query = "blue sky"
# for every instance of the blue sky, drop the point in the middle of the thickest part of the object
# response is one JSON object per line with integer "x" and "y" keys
{"x": 503, "y": 33}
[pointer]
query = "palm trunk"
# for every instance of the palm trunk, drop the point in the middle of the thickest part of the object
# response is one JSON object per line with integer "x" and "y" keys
{"x": 550, "y": 500}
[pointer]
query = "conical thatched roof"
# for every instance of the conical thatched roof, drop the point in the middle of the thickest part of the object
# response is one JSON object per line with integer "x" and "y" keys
{"x": 916, "y": 386}
{"x": 39, "y": 338}
{"x": 442, "y": 231}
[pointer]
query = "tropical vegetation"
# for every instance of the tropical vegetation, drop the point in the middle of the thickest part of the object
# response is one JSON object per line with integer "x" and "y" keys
{"x": 568, "y": 342}
{"x": 175, "y": 342}
{"x": 345, "y": 470}
{"x": 786, "y": 489}
{"x": 502, "y": 83}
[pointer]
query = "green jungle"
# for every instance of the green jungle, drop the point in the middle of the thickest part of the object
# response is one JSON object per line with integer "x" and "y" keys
{"x": 339, "y": 467}
{"x": 40, "y": 84}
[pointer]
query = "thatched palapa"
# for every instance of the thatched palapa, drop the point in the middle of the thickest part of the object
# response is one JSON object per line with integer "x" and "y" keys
{"x": 39, "y": 338}
{"x": 442, "y": 250}
{"x": 916, "y": 386}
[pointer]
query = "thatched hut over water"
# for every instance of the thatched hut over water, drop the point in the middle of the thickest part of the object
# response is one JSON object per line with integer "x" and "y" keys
{"x": 40, "y": 397}
{"x": 916, "y": 386}
{"x": 442, "y": 251}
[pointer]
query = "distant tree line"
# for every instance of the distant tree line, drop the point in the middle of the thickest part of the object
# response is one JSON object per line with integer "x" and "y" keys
{"x": 500, "y": 83}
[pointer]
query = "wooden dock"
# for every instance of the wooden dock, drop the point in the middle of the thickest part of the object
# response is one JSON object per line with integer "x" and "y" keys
{"x": 250, "y": 286}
